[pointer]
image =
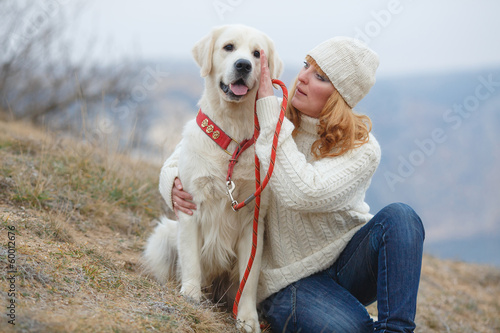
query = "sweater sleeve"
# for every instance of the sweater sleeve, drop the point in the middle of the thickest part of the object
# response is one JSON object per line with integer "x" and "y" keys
{"x": 168, "y": 173}
{"x": 324, "y": 185}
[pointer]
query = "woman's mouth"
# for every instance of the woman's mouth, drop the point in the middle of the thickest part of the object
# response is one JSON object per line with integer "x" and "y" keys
{"x": 300, "y": 92}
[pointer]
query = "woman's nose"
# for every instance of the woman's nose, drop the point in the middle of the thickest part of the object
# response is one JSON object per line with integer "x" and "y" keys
{"x": 303, "y": 76}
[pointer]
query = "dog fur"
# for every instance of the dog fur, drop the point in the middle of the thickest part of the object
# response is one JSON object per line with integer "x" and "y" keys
{"x": 214, "y": 244}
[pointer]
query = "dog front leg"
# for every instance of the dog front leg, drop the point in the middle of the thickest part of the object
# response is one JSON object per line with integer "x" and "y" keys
{"x": 247, "y": 309}
{"x": 189, "y": 245}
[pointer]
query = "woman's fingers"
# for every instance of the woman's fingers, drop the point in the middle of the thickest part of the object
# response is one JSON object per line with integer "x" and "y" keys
{"x": 182, "y": 200}
{"x": 265, "y": 87}
{"x": 178, "y": 208}
{"x": 178, "y": 183}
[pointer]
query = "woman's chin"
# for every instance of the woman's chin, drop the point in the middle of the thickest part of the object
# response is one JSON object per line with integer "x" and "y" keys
{"x": 296, "y": 102}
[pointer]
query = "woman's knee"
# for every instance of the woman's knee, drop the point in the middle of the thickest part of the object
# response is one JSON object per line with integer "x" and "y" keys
{"x": 404, "y": 219}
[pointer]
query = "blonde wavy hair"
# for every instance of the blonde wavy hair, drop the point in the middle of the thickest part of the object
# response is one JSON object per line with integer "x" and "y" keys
{"x": 339, "y": 129}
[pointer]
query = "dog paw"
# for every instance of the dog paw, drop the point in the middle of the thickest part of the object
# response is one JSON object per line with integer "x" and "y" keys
{"x": 248, "y": 324}
{"x": 192, "y": 294}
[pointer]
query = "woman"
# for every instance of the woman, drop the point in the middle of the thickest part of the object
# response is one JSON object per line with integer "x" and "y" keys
{"x": 325, "y": 256}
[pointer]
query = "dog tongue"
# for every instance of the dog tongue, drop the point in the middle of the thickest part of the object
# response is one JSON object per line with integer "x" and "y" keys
{"x": 239, "y": 89}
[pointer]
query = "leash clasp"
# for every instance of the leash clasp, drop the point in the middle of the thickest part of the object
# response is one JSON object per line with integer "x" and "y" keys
{"x": 230, "y": 188}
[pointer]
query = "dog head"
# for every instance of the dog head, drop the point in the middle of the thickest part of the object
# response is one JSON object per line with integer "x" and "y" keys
{"x": 230, "y": 57}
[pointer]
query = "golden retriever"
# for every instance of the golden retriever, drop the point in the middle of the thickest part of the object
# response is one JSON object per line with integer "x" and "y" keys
{"x": 216, "y": 241}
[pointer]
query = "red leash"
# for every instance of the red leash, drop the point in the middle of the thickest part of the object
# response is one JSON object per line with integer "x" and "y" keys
{"x": 258, "y": 187}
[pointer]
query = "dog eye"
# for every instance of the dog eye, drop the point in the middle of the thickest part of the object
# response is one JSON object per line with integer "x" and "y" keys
{"x": 229, "y": 47}
{"x": 256, "y": 54}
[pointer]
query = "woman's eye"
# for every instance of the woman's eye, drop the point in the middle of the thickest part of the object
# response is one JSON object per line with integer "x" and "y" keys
{"x": 256, "y": 54}
{"x": 229, "y": 47}
{"x": 320, "y": 77}
{"x": 306, "y": 65}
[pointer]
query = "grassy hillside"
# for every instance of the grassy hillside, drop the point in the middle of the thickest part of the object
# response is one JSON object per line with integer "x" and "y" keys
{"x": 79, "y": 217}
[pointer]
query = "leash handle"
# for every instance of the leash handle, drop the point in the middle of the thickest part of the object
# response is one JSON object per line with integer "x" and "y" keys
{"x": 259, "y": 188}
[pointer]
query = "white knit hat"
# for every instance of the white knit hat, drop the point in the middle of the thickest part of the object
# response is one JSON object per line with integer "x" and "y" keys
{"x": 349, "y": 64}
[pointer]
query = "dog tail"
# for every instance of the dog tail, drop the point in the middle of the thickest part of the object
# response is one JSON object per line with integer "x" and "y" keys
{"x": 160, "y": 255}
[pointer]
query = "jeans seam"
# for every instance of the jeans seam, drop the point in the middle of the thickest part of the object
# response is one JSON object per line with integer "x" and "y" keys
{"x": 386, "y": 282}
{"x": 350, "y": 258}
{"x": 368, "y": 234}
{"x": 293, "y": 295}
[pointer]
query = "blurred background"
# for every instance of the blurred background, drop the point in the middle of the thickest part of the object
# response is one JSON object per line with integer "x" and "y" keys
{"x": 123, "y": 70}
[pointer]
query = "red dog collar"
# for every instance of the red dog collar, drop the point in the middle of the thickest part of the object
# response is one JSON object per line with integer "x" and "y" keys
{"x": 222, "y": 139}
{"x": 213, "y": 131}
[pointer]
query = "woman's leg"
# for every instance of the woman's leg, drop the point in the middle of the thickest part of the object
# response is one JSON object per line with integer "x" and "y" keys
{"x": 382, "y": 262}
{"x": 316, "y": 304}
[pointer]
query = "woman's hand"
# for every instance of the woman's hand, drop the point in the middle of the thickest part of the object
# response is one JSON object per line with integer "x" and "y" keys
{"x": 182, "y": 200}
{"x": 265, "y": 87}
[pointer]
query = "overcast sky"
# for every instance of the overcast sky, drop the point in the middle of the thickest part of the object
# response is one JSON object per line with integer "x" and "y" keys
{"x": 410, "y": 36}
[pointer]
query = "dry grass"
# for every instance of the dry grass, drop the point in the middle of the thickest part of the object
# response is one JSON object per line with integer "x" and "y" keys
{"x": 81, "y": 219}
{"x": 459, "y": 297}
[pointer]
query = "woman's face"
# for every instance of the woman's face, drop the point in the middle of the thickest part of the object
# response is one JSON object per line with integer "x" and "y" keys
{"x": 312, "y": 91}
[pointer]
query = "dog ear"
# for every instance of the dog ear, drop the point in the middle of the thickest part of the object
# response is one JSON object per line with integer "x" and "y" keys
{"x": 203, "y": 51}
{"x": 275, "y": 62}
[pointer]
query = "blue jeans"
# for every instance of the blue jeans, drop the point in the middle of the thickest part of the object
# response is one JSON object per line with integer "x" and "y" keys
{"x": 382, "y": 263}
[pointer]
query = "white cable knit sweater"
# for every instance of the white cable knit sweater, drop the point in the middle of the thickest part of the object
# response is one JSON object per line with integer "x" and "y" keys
{"x": 316, "y": 206}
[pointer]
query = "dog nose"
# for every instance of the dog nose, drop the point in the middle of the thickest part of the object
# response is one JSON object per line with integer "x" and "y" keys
{"x": 243, "y": 66}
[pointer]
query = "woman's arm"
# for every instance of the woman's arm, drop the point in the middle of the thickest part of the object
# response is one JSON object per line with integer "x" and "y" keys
{"x": 324, "y": 185}
{"x": 320, "y": 186}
